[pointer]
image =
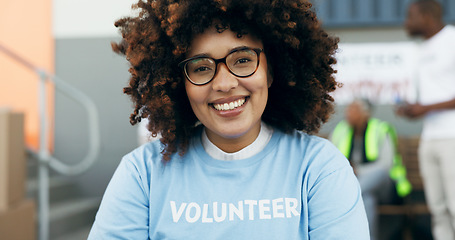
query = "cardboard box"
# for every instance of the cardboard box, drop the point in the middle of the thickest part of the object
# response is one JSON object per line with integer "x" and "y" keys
{"x": 19, "y": 222}
{"x": 12, "y": 159}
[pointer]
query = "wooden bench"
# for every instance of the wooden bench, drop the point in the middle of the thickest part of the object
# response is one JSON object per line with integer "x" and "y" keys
{"x": 414, "y": 204}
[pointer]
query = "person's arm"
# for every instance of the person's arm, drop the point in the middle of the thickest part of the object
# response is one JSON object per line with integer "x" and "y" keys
{"x": 335, "y": 204}
{"x": 124, "y": 210}
{"x": 373, "y": 175}
{"x": 418, "y": 110}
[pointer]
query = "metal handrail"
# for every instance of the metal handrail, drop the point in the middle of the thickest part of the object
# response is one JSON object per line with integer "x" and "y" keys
{"x": 43, "y": 156}
{"x": 93, "y": 129}
{"x": 94, "y": 138}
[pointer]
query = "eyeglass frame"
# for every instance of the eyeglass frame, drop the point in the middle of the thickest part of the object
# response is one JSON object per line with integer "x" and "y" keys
{"x": 183, "y": 64}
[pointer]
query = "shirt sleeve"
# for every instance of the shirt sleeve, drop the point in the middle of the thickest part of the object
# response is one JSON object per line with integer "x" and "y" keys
{"x": 124, "y": 210}
{"x": 335, "y": 205}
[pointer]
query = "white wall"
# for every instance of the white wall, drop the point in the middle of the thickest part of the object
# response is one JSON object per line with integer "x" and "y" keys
{"x": 88, "y": 18}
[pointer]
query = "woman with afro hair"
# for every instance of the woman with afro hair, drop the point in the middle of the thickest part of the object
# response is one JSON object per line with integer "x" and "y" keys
{"x": 235, "y": 89}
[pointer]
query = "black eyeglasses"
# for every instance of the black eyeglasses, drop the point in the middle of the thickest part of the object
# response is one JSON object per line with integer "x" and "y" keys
{"x": 242, "y": 62}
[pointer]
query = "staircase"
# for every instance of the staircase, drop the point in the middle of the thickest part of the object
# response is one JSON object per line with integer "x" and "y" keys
{"x": 69, "y": 211}
{"x": 71, "y": 214}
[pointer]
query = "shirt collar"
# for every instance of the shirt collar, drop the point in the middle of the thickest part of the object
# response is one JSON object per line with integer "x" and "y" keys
{"x": 265, "y": 134}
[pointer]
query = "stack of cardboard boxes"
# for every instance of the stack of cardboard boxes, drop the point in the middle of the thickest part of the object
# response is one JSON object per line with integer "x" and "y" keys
{"x": 17, "y": 214}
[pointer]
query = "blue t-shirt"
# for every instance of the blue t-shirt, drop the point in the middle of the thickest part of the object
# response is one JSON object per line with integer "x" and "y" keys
{"x": 298, "y": 187}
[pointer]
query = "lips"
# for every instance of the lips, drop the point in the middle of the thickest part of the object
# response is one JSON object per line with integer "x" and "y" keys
{"x": 229, "y": 105}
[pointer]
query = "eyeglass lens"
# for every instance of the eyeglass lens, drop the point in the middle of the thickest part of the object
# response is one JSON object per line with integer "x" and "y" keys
{"x": 241, "y": 63}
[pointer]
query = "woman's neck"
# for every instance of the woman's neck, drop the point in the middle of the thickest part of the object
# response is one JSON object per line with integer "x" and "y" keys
{"x": 265, "y": 134}
{"x": 231, "y": 145}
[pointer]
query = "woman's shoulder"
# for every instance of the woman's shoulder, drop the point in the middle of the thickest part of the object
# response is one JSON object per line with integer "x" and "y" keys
{"x": 145, "y": 156}
{"x": 306, "y": 140}
{"x": 315, "y": 150}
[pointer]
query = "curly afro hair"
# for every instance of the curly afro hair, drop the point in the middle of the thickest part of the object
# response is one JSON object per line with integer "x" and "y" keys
{"x": 299, "y": 52}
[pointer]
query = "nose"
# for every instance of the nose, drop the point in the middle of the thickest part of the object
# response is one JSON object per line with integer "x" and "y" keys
{"x": 224, "y": 80}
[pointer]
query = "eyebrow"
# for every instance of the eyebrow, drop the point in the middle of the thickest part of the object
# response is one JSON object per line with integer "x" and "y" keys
{"x": 230, "y": 51}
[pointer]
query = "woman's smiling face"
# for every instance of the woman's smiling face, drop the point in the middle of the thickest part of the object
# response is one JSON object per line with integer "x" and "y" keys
{"x": 229, "y": 107}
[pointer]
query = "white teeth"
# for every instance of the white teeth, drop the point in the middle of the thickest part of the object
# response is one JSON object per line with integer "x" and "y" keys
{"x": 229, "y": 106}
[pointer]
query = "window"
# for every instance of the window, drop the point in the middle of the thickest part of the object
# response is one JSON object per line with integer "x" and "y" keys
{"x": 360, "y": 13}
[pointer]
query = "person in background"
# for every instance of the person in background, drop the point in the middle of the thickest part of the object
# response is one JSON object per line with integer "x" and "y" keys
{"x": 235, "y": 89}
{"x": 371, "y": 147}
{"x": 436, "y": 104}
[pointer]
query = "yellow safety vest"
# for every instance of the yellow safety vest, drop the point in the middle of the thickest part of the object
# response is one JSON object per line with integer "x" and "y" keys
{"x": 374, "y": 135}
